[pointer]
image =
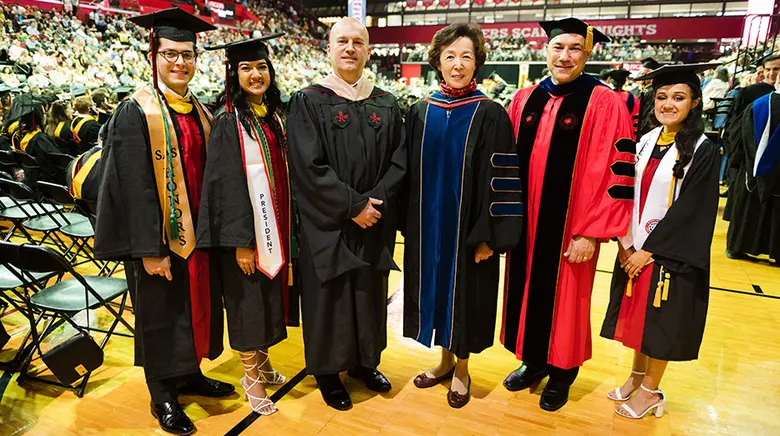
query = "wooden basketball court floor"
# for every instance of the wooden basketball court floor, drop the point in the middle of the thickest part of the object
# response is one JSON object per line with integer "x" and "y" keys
{"x": 733, "y": 389}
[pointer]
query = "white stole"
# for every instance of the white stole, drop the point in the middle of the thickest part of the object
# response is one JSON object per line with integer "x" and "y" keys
{"x": 659, "y": 195}
{"x": 269, "y": 251}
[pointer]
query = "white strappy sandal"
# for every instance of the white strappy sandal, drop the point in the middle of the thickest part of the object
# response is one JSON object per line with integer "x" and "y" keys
{"x": 659, "y": 406}
{"x": 261, "y": 405}
{"x": 274, "y": 378}
{"x": 616, "y": 395}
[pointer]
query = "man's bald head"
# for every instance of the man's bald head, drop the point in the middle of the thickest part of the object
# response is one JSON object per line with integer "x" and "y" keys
{"x": 348, "y": 49}
{"x": 348, "y": 25}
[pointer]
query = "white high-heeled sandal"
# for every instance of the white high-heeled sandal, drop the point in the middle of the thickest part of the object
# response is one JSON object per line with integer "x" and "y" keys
{"x": 261, "y": 405}
{"x": 658, "y": 406}
{"x": 275, "y": 377}
{"x": 616, "y": 395}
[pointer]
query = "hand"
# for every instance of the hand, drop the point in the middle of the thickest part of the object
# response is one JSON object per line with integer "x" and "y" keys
{"x": 581, "y": 249}
{"x": 158, "y": 266}
{"x": 636, "y": 262}
{"x": 483, "y": 252}
{"x": 245, "y": 257}
{"x": 368, "y": 216}
{"x": 624, "y": 254}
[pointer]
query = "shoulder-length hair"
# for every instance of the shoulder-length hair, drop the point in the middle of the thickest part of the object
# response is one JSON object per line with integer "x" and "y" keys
{"x": 446, "y": 36}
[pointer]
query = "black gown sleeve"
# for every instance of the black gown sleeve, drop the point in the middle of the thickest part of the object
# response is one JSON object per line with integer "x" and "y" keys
{"x": 406, "y": 189}
{"x": 128, "y": 224}
{"x": 321, "y": 196}
{"x": 499, "y": 188}
{"x": 390, "y": 185}
{"x": 733, "y": 134}
{"x": 682, "y": 239}
{"x": 225, "y": 218}
{"x": 43, "y": 146}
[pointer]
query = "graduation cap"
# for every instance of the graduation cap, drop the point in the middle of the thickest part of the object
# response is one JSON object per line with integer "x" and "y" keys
{"x": 123, "y": 91}
{"x": 253, "y": 49}
{"x": 174, "y": 24}
{"x": 77, "y": 90}
{"x": 651, "y": 63}
{"x": 574, "y": 25}
{"x": 247, "y": 50}
{"x": 618, "y": 74}
{"x": 23, "y": 105}
{"x": 675, "y": 74}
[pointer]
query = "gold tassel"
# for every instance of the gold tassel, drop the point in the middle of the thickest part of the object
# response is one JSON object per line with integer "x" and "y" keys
{"x": 659, "y": 289}
{"x": 290, "y": 275}
{"x": 629, "y": 287}
{"x": 667, "y": 283}
{"x": 589, "y": 39}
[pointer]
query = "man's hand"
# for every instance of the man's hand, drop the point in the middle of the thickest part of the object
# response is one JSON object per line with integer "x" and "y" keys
{"x": 368, "y": 216}
{"x": 158, "y": 266}
{"x": 636, "y": 262}
{"x": 245, "y": 257}
{"x": 483, "y": 253}
{"x": 580, "y": 249}
{"x": 624, "y": 254}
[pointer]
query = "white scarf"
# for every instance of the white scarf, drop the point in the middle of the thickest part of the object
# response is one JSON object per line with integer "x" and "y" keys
{"x": 269, "y": 251}
{"x": 659, "y": 198}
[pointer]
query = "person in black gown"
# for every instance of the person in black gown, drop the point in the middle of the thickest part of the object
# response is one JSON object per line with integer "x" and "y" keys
{"x": 247, "y": 214}
{"x": 660, "y": 284}
{"x": 26, "y": 114}
{"x": 347, "y": 163}
{"x": 153, "y": 162}
{"x": 460, "y": 142}
{"x": 85, "y": 126}
{"x": 753, "y": 225}
{"x": 58, "y": 125}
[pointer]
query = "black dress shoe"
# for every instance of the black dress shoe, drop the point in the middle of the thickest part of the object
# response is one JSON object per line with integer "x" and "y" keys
{"x": 524, "y": 377}
{"x": 333, "y": 392}
{"x": 172, "y": 418}
{"x": 373, "y": 379}
{"x": 735, "y": 255}
{"x": 207, "y": 387}
{"x": 554, "y": 396}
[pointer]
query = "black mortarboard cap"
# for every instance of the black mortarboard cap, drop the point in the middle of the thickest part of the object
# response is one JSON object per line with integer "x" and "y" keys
{"x": 674, "y": 74}
{"x": 651, "y": 63}
{"x": 247, "y": 50}
{"x": 618, "y": 74}
{"x": 174, "y": 24}
{"x": 574, "y": 25}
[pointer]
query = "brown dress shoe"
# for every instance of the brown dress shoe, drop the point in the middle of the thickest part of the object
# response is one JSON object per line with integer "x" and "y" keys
{"x": 422, "y": 381}
{"x": 457, "y": 400}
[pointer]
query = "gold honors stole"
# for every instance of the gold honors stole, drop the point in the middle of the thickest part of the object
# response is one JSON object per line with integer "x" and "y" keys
{"x": 168, "y": 171}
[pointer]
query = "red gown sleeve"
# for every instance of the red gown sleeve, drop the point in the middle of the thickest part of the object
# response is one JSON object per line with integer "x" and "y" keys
{"x": 604, "y": 186}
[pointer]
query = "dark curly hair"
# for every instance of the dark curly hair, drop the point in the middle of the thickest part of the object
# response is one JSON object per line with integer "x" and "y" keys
{"x": 689, "y": 134}
{"x": 446, "y": 36}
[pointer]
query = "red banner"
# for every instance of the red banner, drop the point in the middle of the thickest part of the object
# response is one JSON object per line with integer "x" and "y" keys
{"x": 659, "y": 29}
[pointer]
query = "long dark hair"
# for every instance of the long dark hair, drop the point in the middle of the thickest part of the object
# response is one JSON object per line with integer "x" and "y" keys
{"x": 238, "y": 97}
{"x": 57, "y": 114}
{"x": 688, "y": 136}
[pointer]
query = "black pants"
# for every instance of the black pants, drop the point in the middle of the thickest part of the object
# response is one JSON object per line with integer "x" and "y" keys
{"x": 558, "y": 376}
{"x": 167, "y": 390}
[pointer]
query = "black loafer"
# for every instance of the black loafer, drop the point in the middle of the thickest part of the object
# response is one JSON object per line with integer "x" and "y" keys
{"x": 333, "y": 392}
{"x": 554, "y": 397}
{"x": 373, "y": 379}
{"x": 172, "y": 418}
{"x": 524, "y": 377}
{"x": 207, "y": 387}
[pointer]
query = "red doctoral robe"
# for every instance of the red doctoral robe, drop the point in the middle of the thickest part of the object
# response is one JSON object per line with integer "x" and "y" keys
{"x": 576, "y": 148}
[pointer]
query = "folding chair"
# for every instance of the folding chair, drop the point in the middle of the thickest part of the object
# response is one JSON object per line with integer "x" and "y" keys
{"x": 89, "y": 208}
{"x": 8, "y": 163}
{"x": 23, "y": 208}
{"x": 47, "y": 218}
{"x": 80, "y": 232}
{"x": 16, "y": 287}
{"x": 64, "y": 299}
{"x": 29, "y": 165}
{"x": 60, "y": 160}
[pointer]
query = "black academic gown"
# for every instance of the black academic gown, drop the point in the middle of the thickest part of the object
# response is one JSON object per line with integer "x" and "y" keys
{"x": 646, "y": 112}
{"x": 40, "y": 147}
{"x": 469, "y": 152}
{"x": 87, "y": 135}
{"x": 754, "y": 227}
{"x": 255, "y": 304}
{"x": 680, "y": 243}
{"x": 733, "y": 140}
{"x": 65, "y": 140}
{"x": 341, "y": 153}
{"x": 128, "y": 228}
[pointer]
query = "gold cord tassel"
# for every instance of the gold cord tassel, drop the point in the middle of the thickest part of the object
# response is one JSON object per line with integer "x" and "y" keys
{"x": 589, "y": 39}
{"x": 629, "y": 287}
{"x": 290, "y": 275}
{"x": 667, "y": 283}
{"x": 659, "y": 289}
